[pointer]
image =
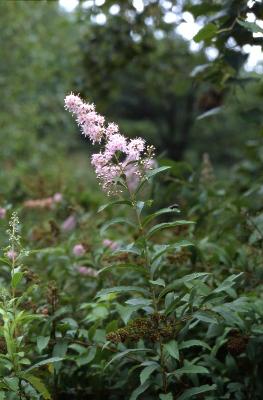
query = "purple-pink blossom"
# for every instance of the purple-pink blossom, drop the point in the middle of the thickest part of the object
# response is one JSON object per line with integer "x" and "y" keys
{"x": 119, "y": 157}
{"x": 11, "y": 254}
{"x": 79, "y": 250}
{"x": 91, "y": 123}
{"x": 57, "y": 198}
{"x": 116, "y": 142}
{"x": 87, "y": 271}
{"x": 2, "y": 213}
{"x": 110, "y": 244}
{"x": 111, "y": 129}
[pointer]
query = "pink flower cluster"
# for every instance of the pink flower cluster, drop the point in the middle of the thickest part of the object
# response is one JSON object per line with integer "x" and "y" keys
{"x": 79, "y": 250}
{"x": 111, "y": 244}
{"x": 2, "y": 213}
{"x": 11, "y": 254}
{"x": 120, "y": 157}
{"x": 87, "y": 271}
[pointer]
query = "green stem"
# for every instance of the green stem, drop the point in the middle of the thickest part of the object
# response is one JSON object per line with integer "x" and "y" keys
{"x": 148, "y": 266}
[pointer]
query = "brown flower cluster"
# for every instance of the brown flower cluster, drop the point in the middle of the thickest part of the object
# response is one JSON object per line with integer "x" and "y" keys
{"x": 237, "y": 343}
{"x": 181, "y": 256}
{"x": 156, "y": 327}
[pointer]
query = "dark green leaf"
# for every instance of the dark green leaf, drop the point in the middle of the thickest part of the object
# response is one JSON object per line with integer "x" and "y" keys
{"x": 51, "y": 360}
{"x": 206, "y": 33}
{"x": 141, "y": 389}
{"x": 165, "y": 225}
{"x": 250, "y": 26}
{"x": 146, "y": 372}
{"x": 172, "y": 349}
{"x": 16, "y": 279}
{"x": 114, "y": 203}
{"x": 157, "y": 213}
{"x": 115, "y": 221}
{"x": 38, "y": 384}
{"x": 42, "y": 342}
{"x": 189, "y": 393}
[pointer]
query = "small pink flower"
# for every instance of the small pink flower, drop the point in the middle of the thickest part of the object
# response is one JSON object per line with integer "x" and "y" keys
{"x": 116, "y": 142}
{"x": 2, "y": 213}
{"x": 57, "y": 197}
{"x": 11, "y": 254}
{"x": 110, "y": 244}
{"x": 73, "y": 103}
{"x": 135, "y": 148}
{"x": 69, "y": 224}
{"x": 87, "y": 271}
{"x": 111, "y": 129}
{"x": 79, "y": 250}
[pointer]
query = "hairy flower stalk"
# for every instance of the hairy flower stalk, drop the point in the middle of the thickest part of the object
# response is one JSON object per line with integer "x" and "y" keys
{"x": 119, "y": 158}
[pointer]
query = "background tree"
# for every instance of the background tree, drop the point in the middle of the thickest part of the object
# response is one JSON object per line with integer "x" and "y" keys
{"x": 39, "y": 53}
{"x": 137, "y": 71}
{"x": 141, "y": 73}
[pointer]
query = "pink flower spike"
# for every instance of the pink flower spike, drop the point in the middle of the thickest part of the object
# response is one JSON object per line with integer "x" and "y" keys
{"x": 2, "y": 213}
{"x": 79, "y": 250}
{"x": 135, "y": 160}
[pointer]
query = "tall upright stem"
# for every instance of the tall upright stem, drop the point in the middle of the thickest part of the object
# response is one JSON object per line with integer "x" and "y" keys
{"x": 148, "y": 266}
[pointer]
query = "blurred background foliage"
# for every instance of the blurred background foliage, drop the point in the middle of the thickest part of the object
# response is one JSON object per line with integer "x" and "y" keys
{"x": 129, "y": 59}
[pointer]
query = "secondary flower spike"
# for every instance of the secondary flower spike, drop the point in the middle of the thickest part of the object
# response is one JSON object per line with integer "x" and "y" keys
{"x": 119, "y": 156}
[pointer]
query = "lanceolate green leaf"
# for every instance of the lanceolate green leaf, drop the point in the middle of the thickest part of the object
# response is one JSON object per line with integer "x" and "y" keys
{"x": 166, "y": 248}
{"x": 206, "y": 33}
{"x": 172, "y": 349}
{"x": 45, "y": 362}
{"x": 123, "y": 266}
{"x": 180, "y": 282}
{"x": 16, "y": 279}
{"x": 156, "y": 171}
{"x": 193, "y": 392}
{"x": 191, "y": 369}
{"x": 194, "y": 342}
{"x": 122, "y": 289}
{"x": 126, "y": 353}
{"x": 250, "y": 26}
{"x": 157, "y": 213}
{"x": 114, "y": 203}
{"x": 42, "y": 342}
{"x": 115, "y": 221}
{"x": 141, "y": 389}
{"x": 146, "y": 372}
{"x": 167, "y": 396}
{"x": 151, "y": 174}
{"x": 166, "y": 225}
{"x": 38, "y": 384}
